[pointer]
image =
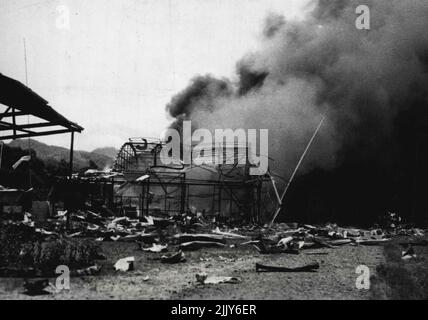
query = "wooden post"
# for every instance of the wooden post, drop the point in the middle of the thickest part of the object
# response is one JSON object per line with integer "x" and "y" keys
{"x": 183, "y": 194}
{"x": 70, "y": 176}
{"x": 71, "y": 154}
{"x": 148, "y": 199}
{"x": 14, "y": 123}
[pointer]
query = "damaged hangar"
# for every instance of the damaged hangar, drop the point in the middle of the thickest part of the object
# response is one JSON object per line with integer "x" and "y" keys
{"x": 219, "y": 191}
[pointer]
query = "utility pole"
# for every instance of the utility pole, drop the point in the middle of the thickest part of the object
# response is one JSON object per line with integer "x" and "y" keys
{"x": 28, "y": 117}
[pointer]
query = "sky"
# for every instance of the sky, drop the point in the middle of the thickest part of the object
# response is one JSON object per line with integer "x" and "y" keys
{"x": 112, "y": 66}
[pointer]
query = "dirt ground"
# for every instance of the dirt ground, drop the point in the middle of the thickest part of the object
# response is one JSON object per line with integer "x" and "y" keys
{"x": 334, "y": 280}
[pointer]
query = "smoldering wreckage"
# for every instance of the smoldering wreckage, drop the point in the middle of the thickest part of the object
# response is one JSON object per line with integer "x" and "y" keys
{"x": 168, "y": 211}
{"x": 155, "y": 208}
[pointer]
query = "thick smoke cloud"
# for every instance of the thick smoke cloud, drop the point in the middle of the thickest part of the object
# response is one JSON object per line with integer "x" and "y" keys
{"x": 361, "y": 80}
{"x": 202, "y": 93}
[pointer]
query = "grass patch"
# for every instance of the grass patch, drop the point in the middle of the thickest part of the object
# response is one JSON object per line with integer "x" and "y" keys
{"x": 397, "y": 279}
{"x": 24, "y": 251}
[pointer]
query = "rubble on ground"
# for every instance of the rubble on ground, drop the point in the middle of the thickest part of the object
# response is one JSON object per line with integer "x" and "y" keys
{"x": 174, "y": 258}
{"x": 205, "y": 279}
{"x": 306, "y": 268}
{"x": 36, "y": 287}
{"x": 166, "y": 238}
{"x": 125, "y": 264}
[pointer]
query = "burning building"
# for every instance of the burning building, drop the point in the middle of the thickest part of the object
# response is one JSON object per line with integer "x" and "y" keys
{"x": 220, "y": 191}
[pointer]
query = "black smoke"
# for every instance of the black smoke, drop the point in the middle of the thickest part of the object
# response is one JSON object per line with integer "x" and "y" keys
{"x": 201, "y": 93}
{"x": 372, "y": 85}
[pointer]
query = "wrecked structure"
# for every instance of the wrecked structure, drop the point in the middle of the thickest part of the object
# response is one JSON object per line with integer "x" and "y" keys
{"x": 18, "y": 105}
{"x": 18, "y": 102}
{"x": 218, "y": 191}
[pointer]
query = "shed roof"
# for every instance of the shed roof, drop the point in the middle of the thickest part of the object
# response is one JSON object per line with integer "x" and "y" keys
{"x": 20, "y": 101}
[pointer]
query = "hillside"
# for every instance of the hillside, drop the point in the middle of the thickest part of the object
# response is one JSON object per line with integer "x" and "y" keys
{"x": 81, "y": 158}
{"x": 106, "y": 151}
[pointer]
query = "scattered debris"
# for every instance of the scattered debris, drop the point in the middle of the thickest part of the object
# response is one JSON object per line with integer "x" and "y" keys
{"x": 22, "y": 159}
{"x": 390, "y": 220}
{"x": 205, "y": 279}
{"x": 228, "y": 234}
{"x": 321, "y": 243}
{"x": 142, "y": 178}
{"x": 174, "y": 258}
{"x": 89, "y": 271}
{"x": 196, "y": 245}
{"x": 408, "y": 254}
{"x": 156, "y": 248}
{"x": 307, "y": 268}
{"x": 188, "y": 237}
{"x": 339, "y": 242}
{"x": 285, "y": 241}
{"x": 264, "y": 247}
{"x": 125, "y": 264}
{"x": 156, "y": 234}
{"x": 36, "y": 287}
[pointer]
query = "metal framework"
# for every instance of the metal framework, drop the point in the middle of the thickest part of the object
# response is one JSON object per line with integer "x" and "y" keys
{"x": 229, "y": 189}
{"x": 135, "y": 151}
